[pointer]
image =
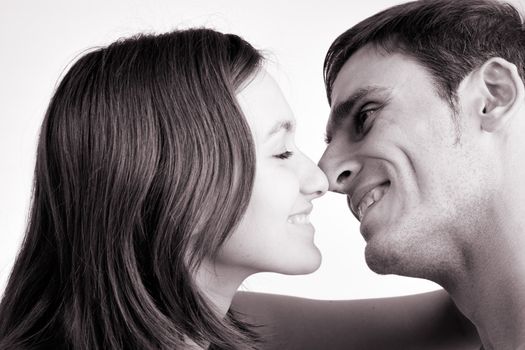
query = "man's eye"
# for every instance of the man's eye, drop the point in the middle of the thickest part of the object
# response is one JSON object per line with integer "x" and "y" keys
{"x": 284, "y": 155}
{"x": 362, "y": 119}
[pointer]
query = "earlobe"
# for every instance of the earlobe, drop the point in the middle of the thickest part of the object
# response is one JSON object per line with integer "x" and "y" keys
{"x": 502, "y": 93}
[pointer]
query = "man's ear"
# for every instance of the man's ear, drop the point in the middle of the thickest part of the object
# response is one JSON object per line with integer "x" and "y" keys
{"x": 500, "y": 93}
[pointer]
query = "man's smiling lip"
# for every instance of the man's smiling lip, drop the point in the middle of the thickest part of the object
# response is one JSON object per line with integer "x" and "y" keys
{"x": 354, "y": 198}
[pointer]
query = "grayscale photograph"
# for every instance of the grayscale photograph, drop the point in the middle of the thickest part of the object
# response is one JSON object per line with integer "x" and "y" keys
{"x": 270, "y": 175}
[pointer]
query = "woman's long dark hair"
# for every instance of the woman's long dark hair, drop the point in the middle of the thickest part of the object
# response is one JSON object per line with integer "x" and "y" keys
{"x": 145, "y": 165}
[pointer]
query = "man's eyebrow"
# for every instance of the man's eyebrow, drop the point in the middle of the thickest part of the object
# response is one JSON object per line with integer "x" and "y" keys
{"x": 342, "y": 110}
{"x": 286, "y": 125}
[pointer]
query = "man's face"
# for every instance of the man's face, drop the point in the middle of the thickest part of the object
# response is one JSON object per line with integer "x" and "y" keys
{"x": 393, "y": 149}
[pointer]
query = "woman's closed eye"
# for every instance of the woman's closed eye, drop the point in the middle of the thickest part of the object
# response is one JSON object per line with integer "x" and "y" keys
{"x": 284, "y": 155}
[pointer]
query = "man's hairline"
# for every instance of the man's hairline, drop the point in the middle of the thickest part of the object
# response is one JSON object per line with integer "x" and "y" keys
{"x": 383, "y": 50}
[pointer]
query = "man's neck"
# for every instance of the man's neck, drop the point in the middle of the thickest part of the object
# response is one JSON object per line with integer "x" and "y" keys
{"x": 491, "y": 292}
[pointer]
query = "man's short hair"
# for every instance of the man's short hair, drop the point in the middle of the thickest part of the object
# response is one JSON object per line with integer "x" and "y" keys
{"x": 450, "y": 38}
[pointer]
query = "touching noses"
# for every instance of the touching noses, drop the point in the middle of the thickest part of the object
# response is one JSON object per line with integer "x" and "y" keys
{"x": 314, "y": 183}
{"x": 339, "y": 166}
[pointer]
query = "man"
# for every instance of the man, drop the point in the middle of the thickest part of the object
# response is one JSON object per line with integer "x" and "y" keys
{"x": 425, "y": 138}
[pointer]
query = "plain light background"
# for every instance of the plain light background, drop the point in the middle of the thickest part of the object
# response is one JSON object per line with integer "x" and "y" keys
{"x": 40, "y": 39}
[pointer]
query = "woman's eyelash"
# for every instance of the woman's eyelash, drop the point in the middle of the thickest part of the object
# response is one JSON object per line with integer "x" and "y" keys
{"x": 284, "y": 155}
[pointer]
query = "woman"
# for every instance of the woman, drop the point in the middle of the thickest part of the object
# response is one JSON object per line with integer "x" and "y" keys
{"x": 166, "y": 174}
{"x": 147, "y": 209}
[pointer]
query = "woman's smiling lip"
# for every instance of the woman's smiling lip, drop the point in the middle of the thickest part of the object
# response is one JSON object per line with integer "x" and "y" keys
{"x": 301, "y": 217}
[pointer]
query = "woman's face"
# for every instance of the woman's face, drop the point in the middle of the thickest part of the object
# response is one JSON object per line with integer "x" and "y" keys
{"x": 275, "y": 233}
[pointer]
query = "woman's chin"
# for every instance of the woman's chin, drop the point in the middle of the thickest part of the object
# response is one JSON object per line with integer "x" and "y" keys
{"x": 300, "y": 264}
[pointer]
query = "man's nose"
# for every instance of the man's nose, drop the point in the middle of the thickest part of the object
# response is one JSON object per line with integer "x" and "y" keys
{"x": 340, "y": 166}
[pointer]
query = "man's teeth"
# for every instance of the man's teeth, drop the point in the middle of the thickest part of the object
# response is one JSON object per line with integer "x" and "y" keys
{"x": 301, "y": 219}
{"x": 370, "y": 198}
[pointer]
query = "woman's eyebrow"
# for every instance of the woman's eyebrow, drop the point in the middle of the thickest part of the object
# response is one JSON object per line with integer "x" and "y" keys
{"x": 286, "y": 125}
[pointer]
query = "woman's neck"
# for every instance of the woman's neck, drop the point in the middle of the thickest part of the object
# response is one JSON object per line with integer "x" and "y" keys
{"x": 219, "y": 284}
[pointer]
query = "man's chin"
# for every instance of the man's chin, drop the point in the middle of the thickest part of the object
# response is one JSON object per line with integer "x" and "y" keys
{"x": 384, "y": 259}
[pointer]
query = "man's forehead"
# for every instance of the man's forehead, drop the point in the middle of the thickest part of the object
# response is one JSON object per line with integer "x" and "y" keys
{"x": 371, "y": 66}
